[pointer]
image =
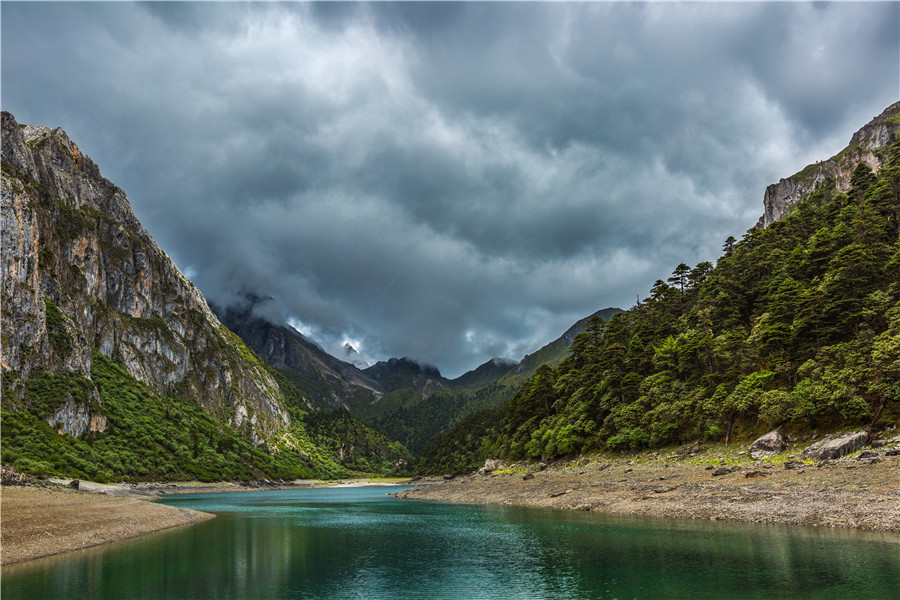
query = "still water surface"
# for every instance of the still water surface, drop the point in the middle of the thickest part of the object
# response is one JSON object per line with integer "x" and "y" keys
{"x": 362, "y": 543}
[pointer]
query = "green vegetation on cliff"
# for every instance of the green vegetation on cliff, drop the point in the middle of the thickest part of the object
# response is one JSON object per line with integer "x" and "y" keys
{"x": 147, "y": 437}
{"x": 797, "y": 325}
{"x": 151, "y": 437}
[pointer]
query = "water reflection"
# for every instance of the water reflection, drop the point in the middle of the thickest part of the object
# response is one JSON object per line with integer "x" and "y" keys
{"x": 360, "y": 543}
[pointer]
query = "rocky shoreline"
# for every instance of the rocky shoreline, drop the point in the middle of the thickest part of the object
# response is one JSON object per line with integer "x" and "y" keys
{"x": 860, "y": 491}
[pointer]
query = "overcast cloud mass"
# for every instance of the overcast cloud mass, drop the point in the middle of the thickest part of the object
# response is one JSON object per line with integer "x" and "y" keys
{"x": 449, "y": 182}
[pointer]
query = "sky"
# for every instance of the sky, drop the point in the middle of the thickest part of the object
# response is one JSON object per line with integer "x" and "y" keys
{"x": 447, "y": 181}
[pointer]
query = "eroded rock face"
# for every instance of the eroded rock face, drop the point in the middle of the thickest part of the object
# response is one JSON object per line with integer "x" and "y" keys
{"x": 832, "y": 448}
{"x": 76, "y": 419}
{"x": 80, "y": 273}
{"x": 780, "y": 197}
{"x": 768, "y": 445}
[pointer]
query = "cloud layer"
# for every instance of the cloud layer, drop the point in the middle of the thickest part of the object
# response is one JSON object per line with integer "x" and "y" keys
{"x": 455, "y": 181}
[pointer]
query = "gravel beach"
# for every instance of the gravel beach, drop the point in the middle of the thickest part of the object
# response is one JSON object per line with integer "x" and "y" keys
{"x": 862, "y": 494}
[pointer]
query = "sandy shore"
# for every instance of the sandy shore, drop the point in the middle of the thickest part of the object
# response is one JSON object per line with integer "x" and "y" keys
{"x": 861, "y": 494}
{"x": 43, "y": 521}
{"x": 36, "y": 522}
{"x": 150, "y": 490}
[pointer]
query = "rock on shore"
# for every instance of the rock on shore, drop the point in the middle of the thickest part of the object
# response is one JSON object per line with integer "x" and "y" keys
{"x": 832, "y": 448}
{"x": 769, "y": 445}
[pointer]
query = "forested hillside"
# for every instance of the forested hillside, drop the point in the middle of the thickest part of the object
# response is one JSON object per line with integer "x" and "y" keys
{"x": 797, "y": 325}
{"x": 424, "y": 407}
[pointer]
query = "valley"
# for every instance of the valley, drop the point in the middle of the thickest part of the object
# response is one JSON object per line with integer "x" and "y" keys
{"x": 115, "y": 369}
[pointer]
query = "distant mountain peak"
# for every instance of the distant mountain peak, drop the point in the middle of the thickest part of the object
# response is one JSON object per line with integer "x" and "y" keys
{"x": 353, "y": 357}
{"x": 498, "y": 361}
{"x": 397, "y": 373}
{"x": 485, "y": 373}
{"x": 324, "y": 379}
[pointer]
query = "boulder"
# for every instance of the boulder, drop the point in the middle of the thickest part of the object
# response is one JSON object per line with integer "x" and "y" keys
{"x": 794, "y": 464}
{"x": 527, "y": 476}
{"x": 769, "y": 445}
{"x": 689, "y": 450}
{"x": 725, "y": 471}
{"x": 491, "y": 464}
{"x": 836, "y": 447}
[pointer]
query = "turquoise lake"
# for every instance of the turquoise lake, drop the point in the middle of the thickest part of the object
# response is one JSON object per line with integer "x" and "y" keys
{"x": 363, "y": 543}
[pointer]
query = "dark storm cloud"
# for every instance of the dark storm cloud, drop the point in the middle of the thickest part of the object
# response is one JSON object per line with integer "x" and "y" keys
{"x": 447, "y": 181}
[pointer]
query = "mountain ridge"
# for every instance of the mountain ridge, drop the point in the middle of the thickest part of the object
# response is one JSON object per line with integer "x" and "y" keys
{"x": 864, "y": 147}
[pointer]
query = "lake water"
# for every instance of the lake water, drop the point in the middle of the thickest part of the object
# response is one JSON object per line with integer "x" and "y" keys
{"x": 362, "y": 543}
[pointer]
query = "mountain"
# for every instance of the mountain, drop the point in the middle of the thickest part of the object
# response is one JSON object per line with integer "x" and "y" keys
{"x": 866, "y": 146}
{"x": 407, "y": 401}
{"x": 113, "y": 364}
{"x": 325, "y": 381}
{"x": 796, "y": 326}
{"x": 484, "y": 374}
{"x": 554, "y": 352}
{"x": 353, "y": 357}
{"x": 400, "y": 373}
{"x": 419, "y": 404}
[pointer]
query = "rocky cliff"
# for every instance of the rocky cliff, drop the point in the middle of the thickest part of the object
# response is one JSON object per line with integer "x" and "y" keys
{"x": 867, "y": 145}
{"x": 80, "y": 274}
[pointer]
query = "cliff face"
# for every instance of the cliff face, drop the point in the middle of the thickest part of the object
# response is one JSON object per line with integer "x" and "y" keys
{"x": 80, "y": 273}
{"x": 866, "y": 146}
